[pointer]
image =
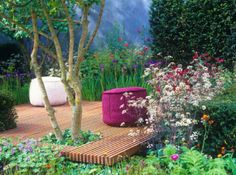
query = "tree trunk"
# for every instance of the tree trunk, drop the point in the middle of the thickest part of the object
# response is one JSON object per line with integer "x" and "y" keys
{"x": 76, "y": 118}
{"x": 47, "y": 105}
{"x": 76, "y": 108}
{"x": 36, "y": 67}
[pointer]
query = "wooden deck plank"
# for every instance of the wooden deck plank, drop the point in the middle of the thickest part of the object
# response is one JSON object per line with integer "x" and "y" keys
{"x": 115, "y": 144}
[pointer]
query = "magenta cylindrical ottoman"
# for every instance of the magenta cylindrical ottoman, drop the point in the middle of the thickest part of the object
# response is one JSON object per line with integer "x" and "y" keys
{"x": 114, "y": 102}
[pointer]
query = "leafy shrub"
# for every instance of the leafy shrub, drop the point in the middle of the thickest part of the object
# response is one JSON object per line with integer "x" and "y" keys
{"x": 7, "y": 112}
{"x": 28, "y": 157}
{"x": 87, "y": 136}
{"x": 12, "y": 59}
{"x": 181, "y": 161}
{"x": 179, "y": 27}
{"x": 221, "y": 132}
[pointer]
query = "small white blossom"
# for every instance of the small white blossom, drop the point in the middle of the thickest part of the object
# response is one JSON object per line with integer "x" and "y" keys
{"x": 122, "y": 124}
{"x": 203, "y": 107}
{"x": 122, "y": 106}
{"x": 124, "y": 112}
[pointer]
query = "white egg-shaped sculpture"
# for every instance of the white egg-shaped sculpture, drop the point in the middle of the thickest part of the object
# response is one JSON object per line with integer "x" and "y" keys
{"x": 55, "y": 91}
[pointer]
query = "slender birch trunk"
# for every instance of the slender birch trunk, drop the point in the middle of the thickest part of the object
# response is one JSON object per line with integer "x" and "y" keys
{"x": 36, "y": 67}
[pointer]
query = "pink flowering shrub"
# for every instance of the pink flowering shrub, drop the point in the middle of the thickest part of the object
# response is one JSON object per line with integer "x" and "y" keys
{"x": 176, "y": 92}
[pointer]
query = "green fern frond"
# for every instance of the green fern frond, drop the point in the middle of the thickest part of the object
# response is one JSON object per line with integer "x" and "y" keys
{"x": 169, "y": 150}
{"x": 193, "y": 158}
{"x": 216, "y": 171}
{"x": 216, "y": 163}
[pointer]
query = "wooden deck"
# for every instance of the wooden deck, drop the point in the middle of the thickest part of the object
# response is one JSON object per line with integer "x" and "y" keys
{"x": 115, "y": 144}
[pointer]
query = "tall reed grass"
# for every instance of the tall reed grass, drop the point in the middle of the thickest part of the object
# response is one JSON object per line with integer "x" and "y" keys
{"x": 108, "y": 69}
{"x": 92, "y": 87}
{"x": 17, "y": 85}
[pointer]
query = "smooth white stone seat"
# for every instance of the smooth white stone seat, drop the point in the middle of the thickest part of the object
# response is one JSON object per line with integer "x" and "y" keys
{"x": 55, "y": 90}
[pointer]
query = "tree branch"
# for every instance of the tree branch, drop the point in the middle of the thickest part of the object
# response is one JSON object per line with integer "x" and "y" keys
{"x": 55, "y": 41}
{"x": 58, "y": 48}
{"x": 84, "y": 34}
{"x": 97, "y": 24}
{"x": 65, "y": 20}
{"x": 17, "y": 24}
{"x": 45, "y": 35}
{"x": 71, "y": 38}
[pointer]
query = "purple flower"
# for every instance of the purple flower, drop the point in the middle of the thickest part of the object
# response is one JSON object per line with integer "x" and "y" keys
{"x": 148, "y": 39}
{"x": 0, "y": 149}
{"x": 13, "y": 151}
{"x": 135, "y": 66}
{"x": 153, "y": 62}
{"x": 22, "y": 75}
{"x": 8, "y": 75}
{"x": 114, "y": 61}
{"x": 21, "y": 146}
{"x": 30, "y": 142}
{"x": 29, "y": 149}
{"x": 174, "y": 157}
{"x": 102, "y": 66}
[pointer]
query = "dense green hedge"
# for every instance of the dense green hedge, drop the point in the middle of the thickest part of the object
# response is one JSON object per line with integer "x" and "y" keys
{"x": 7, "y": 112}
{"x": 222, "y": 133}
{"x": 179, "y": 27}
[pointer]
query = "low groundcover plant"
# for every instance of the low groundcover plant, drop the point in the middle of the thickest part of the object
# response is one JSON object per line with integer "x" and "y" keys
{"x": 30, "y": 157}
{"x": 86, "y": 136}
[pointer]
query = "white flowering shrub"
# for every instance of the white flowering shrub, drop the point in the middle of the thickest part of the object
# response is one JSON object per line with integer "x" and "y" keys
{"x": 55, "y": 71}
{"x": 176, "y": 92}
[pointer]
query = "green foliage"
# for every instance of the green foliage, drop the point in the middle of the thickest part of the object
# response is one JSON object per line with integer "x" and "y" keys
{"x": 18, "y": 85}
{"x": 14, "y": 65}
{"x": 193, "y": 161}
{"x": 169, "y": 150}
{"x": 190, "y": 162}
{"x": 14, "y": 73}
{"x": 87, "y": 2}
{"x": 179, "y": 27}
{"x": 222, "y": 133}
{"x": 8, "y": 114}
{"x": 19, "y": 11}
{"x": 121, "y": 66}
{"x": 87, "y": 136}
{"x": 30, "y": 157}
